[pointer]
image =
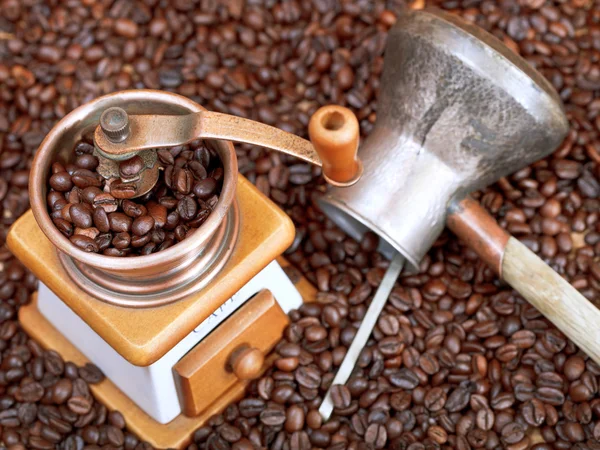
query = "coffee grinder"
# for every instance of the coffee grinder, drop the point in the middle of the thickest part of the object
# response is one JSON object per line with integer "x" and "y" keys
{"x": 180, "y": 332}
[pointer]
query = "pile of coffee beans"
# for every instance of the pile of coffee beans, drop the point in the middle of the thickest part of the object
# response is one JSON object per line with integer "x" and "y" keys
{"x": 457, "y": 360}
{"x": 99, "y": 216}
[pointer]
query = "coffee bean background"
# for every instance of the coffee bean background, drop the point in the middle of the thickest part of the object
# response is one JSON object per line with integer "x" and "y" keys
{"x": 457, "y": 360}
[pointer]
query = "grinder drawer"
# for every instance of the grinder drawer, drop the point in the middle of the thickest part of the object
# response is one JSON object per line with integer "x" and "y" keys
{"x": 234, "y": 351}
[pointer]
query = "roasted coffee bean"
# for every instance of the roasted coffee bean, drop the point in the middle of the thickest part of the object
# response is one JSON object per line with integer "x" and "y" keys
{"x": 87, "y": 161}
{"x": 31, "y": 392}
{"x": 116, "y": 419}
{"x": 61, "y": 182}
{"x": 534, "y": 413}
{"x": 437, "y": 434}
{"x": 376, "y": 435}
{"x": 83, "y": 148}
{"x": 142, "y": 225}
{"x": 523, "y": 339}
{"x": 435, "y": 399}
{"x": 27, "y": 413}
{"x": 83, "y": 178}
{"x": 79, "y": 405}
{"x": 454, "y": 324}
{"x": 119, "y": 222}
{"x": 104, "y": 201}
{"x": 187, "y": 208}
{"x": 62, "y": 391}
{"x": 512, "y": 433}
{"x": 165, "y": 157}
{"x": 123, "y": 190}
{"x": 404, "y": 378}
{"x": 458, "y": 399}
{"x": 121, "y": 240}
{"x": 91, "y": 373}
{"x": 131, "y": 167}
{"x": 133, "y": 209}
{"x": 308, "y": 377}
{"x": 182, "y": 180}
{"x": 204, "y": 189}
{"x": 574, "y": 367}
{"x": 84, "y": 243}
{"x": 103, "y": 241}
{"x": 485, "y": 419}
{"x": 550, "y": 395}
{"x": 273, "y": 416}
{"x": 315, "y": 333}
{"x": 389, "y": 325}
{"x": 429, "y": 363}
{"x": 63, "y": 226}
{"x": 114, "y": 436}
{"x": 101, "y": 221}
{"x": 251, "y": 407}
{"x": 81, "y": 216}
{"x": 40, "y": 443}
{"x": 197, "y": 169}
{"x": 158, "y": 213}
{"x": 340, "y": 396}
{"x": 294, "y": 419}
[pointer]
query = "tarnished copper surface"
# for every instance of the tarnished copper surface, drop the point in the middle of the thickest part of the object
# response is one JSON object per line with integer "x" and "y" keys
{"x": 471, "y": 223}
{"x": 181, "y": 281}
{"x": 236, "y": 129}
{"x": 58, "y": 145}
{"x": 155, "y": 131}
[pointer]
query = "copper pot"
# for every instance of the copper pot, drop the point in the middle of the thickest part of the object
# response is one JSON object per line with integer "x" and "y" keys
{"x": 148, "y": 280}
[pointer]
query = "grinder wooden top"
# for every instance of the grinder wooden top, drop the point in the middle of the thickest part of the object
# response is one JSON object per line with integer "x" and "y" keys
{"x": 142, "y": 336}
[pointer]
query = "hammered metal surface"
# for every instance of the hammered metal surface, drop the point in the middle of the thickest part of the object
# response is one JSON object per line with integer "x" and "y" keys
{"x": 456, "y": 112}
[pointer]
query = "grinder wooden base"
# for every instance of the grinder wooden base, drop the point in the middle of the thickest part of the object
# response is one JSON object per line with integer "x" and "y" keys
{"x": 177, "y": 433}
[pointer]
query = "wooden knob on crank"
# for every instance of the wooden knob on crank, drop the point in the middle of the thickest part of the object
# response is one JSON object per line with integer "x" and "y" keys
{"x": 334, "y": 133}
{"x": 247, "y": 362}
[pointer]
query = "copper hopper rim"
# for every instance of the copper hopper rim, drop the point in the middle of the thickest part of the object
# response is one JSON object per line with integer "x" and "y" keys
{"x": 50, "y": 148}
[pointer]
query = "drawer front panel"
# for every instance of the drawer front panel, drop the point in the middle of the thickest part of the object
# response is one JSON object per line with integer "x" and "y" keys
{"x": 204, "y": 374}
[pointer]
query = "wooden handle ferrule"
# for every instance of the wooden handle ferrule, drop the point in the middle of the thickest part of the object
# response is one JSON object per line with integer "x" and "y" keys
{"x": 522, "y": 269}
{"x": 471, "y": 223}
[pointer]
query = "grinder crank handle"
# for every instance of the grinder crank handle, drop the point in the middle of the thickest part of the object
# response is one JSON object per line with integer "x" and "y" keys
{"x": 522, "y": 269}
{"x": 120, "y": 136}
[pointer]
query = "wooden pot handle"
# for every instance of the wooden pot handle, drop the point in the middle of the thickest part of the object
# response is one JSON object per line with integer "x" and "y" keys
{"x": 553, "y": 296}
{"x": 522, "y": 269}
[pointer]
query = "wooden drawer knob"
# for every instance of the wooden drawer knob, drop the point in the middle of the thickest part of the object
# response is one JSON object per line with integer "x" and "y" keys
{"x": 233, "y": 353}
{"x": 246, "y": 363}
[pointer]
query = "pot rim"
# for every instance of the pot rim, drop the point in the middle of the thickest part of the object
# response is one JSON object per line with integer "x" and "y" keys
{"x": 41, "y": 167}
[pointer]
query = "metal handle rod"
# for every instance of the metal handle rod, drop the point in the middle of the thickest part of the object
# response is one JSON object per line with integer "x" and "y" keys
{"x": 149, "y": 132}
{"x": 364, "y": 331}
{"x": 237, "y": 129}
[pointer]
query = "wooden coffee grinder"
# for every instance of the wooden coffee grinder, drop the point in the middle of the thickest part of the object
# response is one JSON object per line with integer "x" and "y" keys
{"x": 180, "y": 332}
